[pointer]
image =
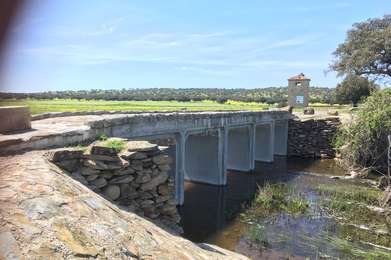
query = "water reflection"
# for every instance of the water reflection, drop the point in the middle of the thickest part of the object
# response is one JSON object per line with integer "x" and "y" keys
{"x": 211, "y": 214}
{"x": 209, "y": 209}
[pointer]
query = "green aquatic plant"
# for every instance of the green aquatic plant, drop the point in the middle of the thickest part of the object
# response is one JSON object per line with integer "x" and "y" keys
{"x": 347, "y": 247}
{"x": 279, "y": 197}
{"x": 351, "y": 192}
{"x": 298, "y": 205}
{"x": 257, "y": 235}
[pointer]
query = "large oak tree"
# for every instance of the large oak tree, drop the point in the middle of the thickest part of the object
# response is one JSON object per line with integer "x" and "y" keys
{"x": 366, "y": 50}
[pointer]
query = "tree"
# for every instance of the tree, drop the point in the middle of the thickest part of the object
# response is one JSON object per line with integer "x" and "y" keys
{"x": 353, "y": 88}
{"x": 366, "y": 50}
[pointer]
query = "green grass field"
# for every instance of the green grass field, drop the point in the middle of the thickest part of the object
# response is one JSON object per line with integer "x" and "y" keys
{"x": 64, "y": 105}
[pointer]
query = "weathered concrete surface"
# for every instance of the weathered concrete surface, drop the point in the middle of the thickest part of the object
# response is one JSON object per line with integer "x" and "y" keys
{"x": 63, "y": 131}
{"x": 14, "y": 119}
{"x": 45, "y": 214}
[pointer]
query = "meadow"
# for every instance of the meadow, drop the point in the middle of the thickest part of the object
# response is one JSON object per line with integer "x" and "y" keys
{"x": 39, "y": 106}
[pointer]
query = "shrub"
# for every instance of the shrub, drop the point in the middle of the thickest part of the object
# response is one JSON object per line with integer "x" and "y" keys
{"x": 363, "y": 143}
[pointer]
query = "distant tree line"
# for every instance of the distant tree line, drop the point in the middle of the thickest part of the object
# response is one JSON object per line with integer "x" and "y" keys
{"x": 271, "y": 95}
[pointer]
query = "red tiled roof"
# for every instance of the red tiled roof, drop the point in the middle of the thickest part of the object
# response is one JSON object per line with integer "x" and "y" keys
{"x": 301, "y": 76}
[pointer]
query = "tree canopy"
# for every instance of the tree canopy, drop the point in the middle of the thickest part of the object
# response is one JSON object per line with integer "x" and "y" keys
{"x": 366, "y": 50}
{"x": 269, "y": 95}
{"x": 353, "y": 88}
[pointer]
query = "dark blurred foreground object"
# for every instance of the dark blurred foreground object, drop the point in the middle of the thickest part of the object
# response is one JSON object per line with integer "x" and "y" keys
{"x": 8, "y": 12}
{"x": 14, "y": 119}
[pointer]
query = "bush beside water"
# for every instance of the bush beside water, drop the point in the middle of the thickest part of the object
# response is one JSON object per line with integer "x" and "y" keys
{"x": 363, "y": 142}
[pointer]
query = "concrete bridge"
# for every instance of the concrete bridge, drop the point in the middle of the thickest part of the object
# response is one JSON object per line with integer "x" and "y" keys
{"x": 207, "y": 143}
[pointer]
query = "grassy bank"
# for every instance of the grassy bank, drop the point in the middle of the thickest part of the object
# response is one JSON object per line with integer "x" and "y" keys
{"x": 64, "y": 105}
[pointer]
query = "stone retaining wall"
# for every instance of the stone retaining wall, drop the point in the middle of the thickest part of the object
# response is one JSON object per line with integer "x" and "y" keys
{"x": 136, "y": 178}
{"x": 312, "y": 138}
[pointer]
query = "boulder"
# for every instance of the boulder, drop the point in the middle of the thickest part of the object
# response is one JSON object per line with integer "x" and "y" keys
{"x": 154, "y": 182}
{"x": 102, "y": 150}
{"x": 100, "y": 182}
{"x": 77, "y": 176}
{"x": 134, "y": 156}
{"x": 112, "y": 191}
{"x": 162, "y": 159}
{"x": 162, "y": 198}
{"x": 168, "y": 210}
{"x": 125, "y": 171}
{"x": 122, "y": 179}
{"x": 105, "y": 158}
{"x": 69, "y": 165}
{"x": 144, "y": 178}
{"x": 88, "y": 171}
{"x": 65, "y": 154}
{"x": 146, "y": 203}
{"x": 100, "y": 165}
{"x": 141, "y": 146}
{"x": 146, "y": 195}
{"x": 91, "y": 177}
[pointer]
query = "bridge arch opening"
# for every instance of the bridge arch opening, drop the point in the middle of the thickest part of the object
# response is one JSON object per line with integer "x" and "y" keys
{"x": 240, "y": 153}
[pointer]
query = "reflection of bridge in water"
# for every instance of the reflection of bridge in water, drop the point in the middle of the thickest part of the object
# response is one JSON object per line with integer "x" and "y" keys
{"x": 210, "y": 220}
{"x": 207, "y": 143}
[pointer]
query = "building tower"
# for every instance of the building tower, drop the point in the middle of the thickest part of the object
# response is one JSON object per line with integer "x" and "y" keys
{"x": 298, "y": 91}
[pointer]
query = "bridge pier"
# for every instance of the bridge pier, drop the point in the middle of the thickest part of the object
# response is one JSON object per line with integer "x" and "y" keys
{"x": 180, "y": 139}
{"x": 204, "y": 155}
{"x": 264, "y": 142}
{"x": 200, "y": 157}
{"x": 240, "y": 152}
{"x": 281, "y": 137}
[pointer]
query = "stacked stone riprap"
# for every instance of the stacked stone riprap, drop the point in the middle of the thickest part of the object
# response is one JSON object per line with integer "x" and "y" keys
{"x": 312, "y": 138}
{"x": 136, "y": 178}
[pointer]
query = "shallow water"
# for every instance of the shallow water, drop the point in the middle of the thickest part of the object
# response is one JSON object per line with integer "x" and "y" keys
{"x": 214, "y": 215}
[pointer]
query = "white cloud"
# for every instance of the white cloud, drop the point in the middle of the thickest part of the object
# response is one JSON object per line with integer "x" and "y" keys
{"x": 215, "y": 53}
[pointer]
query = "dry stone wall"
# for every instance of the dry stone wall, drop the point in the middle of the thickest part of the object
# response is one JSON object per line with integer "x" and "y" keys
{"x": 136, "y": 178}
{"x": 312, "y": 137}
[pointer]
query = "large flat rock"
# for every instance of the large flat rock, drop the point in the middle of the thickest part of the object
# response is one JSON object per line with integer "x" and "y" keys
{"x": 45, "y": 214}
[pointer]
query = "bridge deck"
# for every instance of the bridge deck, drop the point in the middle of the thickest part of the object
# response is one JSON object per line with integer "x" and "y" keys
{"x": 62, "y": 131}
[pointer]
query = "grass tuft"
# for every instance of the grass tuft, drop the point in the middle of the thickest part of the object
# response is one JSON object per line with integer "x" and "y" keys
{"x": 279, "y": 198}
{"x": 117, "y": 144}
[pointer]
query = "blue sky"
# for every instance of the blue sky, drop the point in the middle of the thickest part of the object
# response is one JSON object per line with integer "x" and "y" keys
{"x": 62, "y": 45}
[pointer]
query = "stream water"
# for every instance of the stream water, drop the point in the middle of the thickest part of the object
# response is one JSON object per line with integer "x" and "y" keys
{"x": 216, "y": 215}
